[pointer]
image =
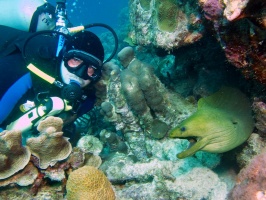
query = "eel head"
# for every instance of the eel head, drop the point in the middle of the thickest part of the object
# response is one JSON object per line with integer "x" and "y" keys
{"x": 196, "y": 141}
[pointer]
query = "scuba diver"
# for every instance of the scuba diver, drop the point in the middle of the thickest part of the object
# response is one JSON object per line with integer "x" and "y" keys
{"x": 49, "y": 72}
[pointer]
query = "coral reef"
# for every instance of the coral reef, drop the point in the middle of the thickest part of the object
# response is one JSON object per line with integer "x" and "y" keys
{"x": 239, "y": 26}
{"x": 93, "y": 160}
{"x": 113, "y": 141}
{"x": 251, "y": 182}
{"x": 163, "y": 179}
{"x": 256, "y": 142}
{"x": 50, "y": 146}
{"x": 13, "y": 156}
{"x": 48, "y": 161}
{"x": 138, "y": 103}
{"x": 243, "y": 36}
{"x": 23, "y": 178}
{"x": 259, "y": 108}
{"x": 89, "y": 183}
{"x": 255, "y": 145}
{"x": 234, "y": 8}
{"x": 76, "y": 158}
{"x": 212, "y": 9}
{"x": 90, "y": 144}
{"x": 186, "y": 186}
{"x": 166, "y": 24}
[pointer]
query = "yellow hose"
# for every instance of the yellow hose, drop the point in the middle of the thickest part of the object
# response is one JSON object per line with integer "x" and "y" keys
{"x": 76, "y": 29}
{"x": 41, "y": 74}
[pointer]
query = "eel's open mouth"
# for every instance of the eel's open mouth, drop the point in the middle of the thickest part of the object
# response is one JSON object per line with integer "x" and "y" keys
{"x": 192, "y": 141}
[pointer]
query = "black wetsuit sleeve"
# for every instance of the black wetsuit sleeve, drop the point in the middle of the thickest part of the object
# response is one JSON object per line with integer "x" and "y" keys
{"x": 15, "y": 83}
{"x": 12, "y": 68}
{"x": 11, "y": 40}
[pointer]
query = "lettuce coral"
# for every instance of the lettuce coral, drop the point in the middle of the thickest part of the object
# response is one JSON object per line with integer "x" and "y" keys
{"x": 50, "y": 146}
{"x": 13, "y": 156}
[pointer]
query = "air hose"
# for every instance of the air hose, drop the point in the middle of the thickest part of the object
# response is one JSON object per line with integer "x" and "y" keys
{"x": 114, "y": 35}
{"x": 74, "y": 30}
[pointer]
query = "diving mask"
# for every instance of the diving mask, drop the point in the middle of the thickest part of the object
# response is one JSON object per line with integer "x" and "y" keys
{"x": 83, "y": 64}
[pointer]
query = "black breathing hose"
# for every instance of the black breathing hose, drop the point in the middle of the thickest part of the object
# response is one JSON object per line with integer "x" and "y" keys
{"x": 40, "y": 33}
{"x": 114, "y": 35}
{"x": 68, "y": 37}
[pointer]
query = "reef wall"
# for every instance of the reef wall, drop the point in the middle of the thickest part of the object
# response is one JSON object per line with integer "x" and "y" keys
{"x": 166, "y": 24}
{"x": 137, "y": 102}
{"x": 239, "y": 27}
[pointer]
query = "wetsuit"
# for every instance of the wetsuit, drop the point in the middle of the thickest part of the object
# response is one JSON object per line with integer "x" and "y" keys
{"x": 18, "y": 84}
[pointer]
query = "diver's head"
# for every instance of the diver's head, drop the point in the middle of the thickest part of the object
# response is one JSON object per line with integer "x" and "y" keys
{"x": 83, "y": 59}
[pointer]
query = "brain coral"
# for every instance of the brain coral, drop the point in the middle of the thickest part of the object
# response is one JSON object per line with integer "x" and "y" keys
{"x": 50, "y": 146}
{"x": 13, "y": 156}
{"x": 89, "y": 183}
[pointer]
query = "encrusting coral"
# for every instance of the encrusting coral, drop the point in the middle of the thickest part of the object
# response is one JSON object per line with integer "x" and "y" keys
{"x": 259, "y": 108}
{"x": 240, "y": 29}
{"x": 50, "y": 146}
{"x": 90, "y": 144}
{"x": 167, "y": 24}
{"x": 13, "y": 156}
{"x": 113, "y": 141}
{"x": 238, "y": 25}
{"x": 89, "y": 183}
{"x": 251, "y": 181}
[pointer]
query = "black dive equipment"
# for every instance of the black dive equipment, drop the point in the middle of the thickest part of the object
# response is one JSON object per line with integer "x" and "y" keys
{"x": 88, "y": 60}
{"x": 61, "y": 17}
{"x": 72, "y": 92}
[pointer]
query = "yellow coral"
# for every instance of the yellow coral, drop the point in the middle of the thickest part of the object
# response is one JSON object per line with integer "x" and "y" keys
{"x": 89, "y": 183}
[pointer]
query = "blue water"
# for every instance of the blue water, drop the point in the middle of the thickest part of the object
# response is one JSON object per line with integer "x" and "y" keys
{"x": 82, "y": 12}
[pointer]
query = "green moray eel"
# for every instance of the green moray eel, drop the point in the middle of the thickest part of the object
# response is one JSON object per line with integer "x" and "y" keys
{"x": 222, "y": 122}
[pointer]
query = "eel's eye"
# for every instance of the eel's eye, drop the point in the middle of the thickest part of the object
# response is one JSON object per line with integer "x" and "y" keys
{"x": 182, "y": 129}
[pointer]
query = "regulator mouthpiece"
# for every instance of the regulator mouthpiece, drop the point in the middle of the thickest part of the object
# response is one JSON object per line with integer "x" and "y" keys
{"x": 72, "y": 92}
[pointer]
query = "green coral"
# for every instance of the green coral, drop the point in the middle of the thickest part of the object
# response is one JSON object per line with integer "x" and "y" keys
{"x": 222, "y": 122}
{"x": 167, "y": 12}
